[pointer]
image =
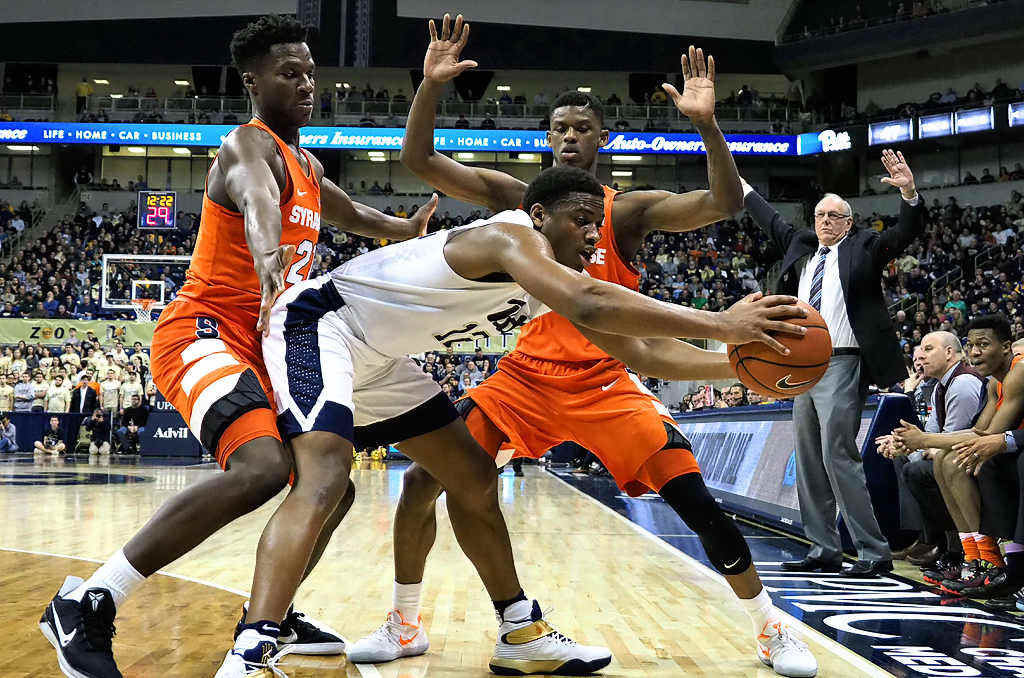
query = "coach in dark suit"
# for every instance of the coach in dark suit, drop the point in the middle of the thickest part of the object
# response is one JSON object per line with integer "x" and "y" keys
{"x": 838, "y": 269}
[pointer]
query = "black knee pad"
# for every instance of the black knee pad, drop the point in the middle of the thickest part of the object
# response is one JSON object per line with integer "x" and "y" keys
{"x": 724, "y": 545}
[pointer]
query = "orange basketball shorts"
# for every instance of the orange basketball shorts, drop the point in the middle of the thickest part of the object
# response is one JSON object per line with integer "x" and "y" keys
{"x": 210, "y": 367}
{"x": 538, "y": 404}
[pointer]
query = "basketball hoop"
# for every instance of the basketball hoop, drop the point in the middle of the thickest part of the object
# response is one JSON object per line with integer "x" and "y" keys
{"x": 144, "y": 309}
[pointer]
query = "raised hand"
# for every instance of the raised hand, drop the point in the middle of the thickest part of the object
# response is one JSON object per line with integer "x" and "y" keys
{"x": 441, "y": 62}
{"x": 272, "y": 283}
{"x": 900, "y": 175}
{"x": 697, "y": 102}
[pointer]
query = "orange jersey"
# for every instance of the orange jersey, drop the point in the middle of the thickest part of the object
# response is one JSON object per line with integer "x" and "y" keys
{"x": 222, "y": 274}
{"x": 552, "y": 337}
{"x": 999, "y": 384}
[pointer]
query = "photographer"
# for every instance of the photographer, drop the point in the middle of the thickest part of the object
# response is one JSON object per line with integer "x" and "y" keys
{"x": 8, "y": 441}
{"x": 133, "y": 422}
{"x": 99, "y": 432}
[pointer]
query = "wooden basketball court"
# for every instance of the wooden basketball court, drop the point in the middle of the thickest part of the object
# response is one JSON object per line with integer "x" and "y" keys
{"x": 608, "y": 582}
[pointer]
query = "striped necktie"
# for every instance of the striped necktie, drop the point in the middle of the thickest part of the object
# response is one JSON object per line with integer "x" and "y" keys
{"x": 819, "y": 277}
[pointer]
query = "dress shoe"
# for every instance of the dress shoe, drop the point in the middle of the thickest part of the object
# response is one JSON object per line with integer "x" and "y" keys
{"x": 925, "y": 558}
{"x": 809, "y": 564}
{"x": 868, "y": 568}
{"x": 916, "y": 548}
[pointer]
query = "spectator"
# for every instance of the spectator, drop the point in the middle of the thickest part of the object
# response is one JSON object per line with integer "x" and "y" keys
{"x": 98, "y": 427}
{"x": 735, "y": 396}
{"x": 969, "y": 179}
{"x": 53, "y": 439}
{"x": 462, "y": 122}
{"x": 83, "y": 91}
{"x": 110, "y": 392}
{"x": 7, "y": 393}
{"x": 8, "y": 435}
{"x": 57, "y": 396}
{"x": 986, "y": 177}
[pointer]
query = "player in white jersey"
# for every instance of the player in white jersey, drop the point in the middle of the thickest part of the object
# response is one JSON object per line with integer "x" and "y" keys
{"x": 357, "y": 324}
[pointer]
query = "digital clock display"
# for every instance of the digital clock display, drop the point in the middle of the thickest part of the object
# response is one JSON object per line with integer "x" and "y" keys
{"x": 157, "y": 209}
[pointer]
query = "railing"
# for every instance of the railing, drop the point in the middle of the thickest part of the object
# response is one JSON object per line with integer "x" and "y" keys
{"x": 905, "y": 304}
{"x": 240, "y": 106}
{"x": 27, "y": 102}
{"x": 854, "y": 24}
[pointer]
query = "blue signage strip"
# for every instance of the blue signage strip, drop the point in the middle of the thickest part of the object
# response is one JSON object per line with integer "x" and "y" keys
{"x": 825, "y": 141}
{"x": 379, "y": 138}
{"x": 890, "y": 132}
{"x": 1015, "y": 113}
{"x": 975, "y": 120}
{"x": 939, "y": 125}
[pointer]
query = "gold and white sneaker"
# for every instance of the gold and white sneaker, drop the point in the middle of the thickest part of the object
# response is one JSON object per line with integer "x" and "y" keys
{"x": 778, "y": 648}
{"x": 530, "y": 645}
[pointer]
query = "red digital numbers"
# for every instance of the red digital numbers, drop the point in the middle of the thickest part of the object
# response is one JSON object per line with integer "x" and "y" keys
{"x": 158, "y": 216}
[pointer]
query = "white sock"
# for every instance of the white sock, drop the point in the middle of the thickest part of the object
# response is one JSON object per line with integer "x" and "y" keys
{"x": 518, "y": 611}
{"x": 761, "y": 610}
{"x": 116, "y": 575}
{"x": 406, "y": 599}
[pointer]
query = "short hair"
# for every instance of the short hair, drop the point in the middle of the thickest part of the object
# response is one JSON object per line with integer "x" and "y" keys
{"x": 252, "y": 42}
{"x": 948, "y": 339}
{"x": 581, "y": 99}
{"x": 997, "y": 322}
{"x": 849, "y": 210}
{"x": 556, "y": 183}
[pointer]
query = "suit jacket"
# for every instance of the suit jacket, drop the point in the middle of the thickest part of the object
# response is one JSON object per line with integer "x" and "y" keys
{"x": 863, "y": 254}
{"x": 91, "y": 402}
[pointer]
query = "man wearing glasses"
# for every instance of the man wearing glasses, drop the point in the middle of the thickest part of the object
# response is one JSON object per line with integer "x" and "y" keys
{"x": 837, "y": 269}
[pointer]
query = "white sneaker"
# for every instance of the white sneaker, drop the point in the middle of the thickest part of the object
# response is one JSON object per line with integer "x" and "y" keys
{"x": 251, "y": 656}
{"x": 778, "y": 648}
{"x": 395, "y": 638}
{"x": 531, "y": 645}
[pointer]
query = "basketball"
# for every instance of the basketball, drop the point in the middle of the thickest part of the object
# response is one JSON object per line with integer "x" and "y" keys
{"x": 771, "y": 374}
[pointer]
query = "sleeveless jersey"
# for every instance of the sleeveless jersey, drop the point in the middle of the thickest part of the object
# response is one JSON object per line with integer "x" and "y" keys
{"x": 999, "y": 384}
{"x": 405, "y": 298}
{"x": 552, "y": 337}
{"x": 222, "y": 274}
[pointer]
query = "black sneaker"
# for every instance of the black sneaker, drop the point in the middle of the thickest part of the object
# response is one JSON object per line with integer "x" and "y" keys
{"x": 82, "y": 632}
{"x": 302, "y": 635}
{"x": 976, "y": 576}
{"x": 998, "y": 584}
{"x": 948, "y": 567}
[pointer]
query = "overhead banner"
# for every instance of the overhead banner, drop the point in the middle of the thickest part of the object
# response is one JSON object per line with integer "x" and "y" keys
{"x": 379, "y": 138}
{"x": 50, "y": 331}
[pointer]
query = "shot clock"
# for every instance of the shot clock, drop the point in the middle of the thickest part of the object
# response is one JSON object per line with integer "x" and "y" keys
{"x": 157, "y": 209}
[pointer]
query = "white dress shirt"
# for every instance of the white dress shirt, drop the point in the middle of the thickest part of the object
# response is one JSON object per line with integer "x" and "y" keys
{"x": 833, "y": 301}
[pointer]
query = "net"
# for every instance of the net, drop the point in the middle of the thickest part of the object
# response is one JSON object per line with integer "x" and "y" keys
{"x": 144, "y": 309}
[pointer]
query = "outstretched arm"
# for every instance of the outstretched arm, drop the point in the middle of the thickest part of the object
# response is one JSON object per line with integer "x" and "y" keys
{"x": 665, "y": 211}
{"x": 477, "y": 185}
{"x": 337, "y": 208}
{"x": 527, "y": 256}
{"x": 662, "y": 357}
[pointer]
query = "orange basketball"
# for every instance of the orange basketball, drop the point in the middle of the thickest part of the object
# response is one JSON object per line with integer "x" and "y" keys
{"x": 774, "y": 375}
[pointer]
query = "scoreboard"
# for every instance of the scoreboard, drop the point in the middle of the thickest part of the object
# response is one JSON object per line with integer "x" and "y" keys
{"x": 157, "y": 209}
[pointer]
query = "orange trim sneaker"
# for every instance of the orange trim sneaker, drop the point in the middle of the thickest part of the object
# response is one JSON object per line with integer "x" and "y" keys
{"x": 395, "y": 638}
{"x": 778, "y": 648}
{"x": 531, "y": 645}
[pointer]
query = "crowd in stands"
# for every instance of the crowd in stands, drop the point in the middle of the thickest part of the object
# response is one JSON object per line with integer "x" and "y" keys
{"x": 110, "y": 384}
{"x": 968, "y": 262}
{"x": 850, "y": 15}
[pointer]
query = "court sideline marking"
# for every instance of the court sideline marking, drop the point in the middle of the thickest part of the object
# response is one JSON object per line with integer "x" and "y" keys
{"x": 818, "y": 637}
